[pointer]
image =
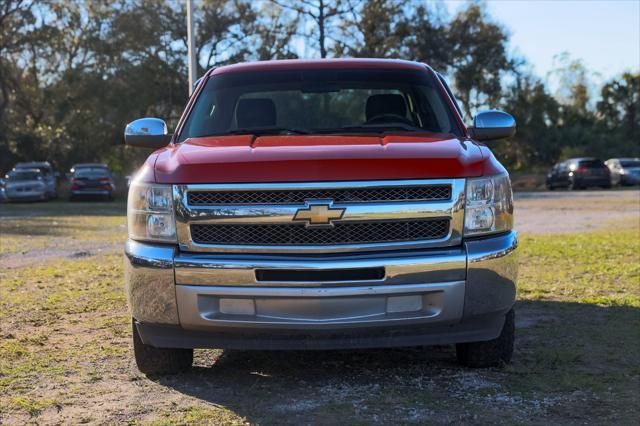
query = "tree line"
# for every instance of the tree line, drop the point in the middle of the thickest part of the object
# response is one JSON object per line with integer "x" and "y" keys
{"x": 73, "y": 72}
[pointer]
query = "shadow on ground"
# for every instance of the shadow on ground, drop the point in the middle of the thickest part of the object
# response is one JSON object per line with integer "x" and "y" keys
{"x": 572, "y": 362}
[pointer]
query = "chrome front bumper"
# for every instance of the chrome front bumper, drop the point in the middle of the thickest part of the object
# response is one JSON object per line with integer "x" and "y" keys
{"x": 211, "y": 300}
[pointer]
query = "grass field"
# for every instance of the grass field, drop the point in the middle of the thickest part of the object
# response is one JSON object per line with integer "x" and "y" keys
{"x": 65, "y": 353}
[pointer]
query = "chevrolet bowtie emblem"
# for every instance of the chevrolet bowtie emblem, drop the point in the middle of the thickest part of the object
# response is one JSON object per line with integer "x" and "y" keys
{"x": 319, "y": 214}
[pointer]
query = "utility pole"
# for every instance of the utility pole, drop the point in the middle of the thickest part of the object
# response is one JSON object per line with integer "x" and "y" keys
{"x": 191, "y": 43}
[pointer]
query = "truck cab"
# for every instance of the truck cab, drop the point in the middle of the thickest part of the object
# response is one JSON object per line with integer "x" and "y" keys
{"x": 320, "y": 204}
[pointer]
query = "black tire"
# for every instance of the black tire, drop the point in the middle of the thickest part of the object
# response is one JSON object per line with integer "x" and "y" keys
{"x": 493, "y": 353}
{"x": 574, "y": 186}
{"x": 159, "y": 361}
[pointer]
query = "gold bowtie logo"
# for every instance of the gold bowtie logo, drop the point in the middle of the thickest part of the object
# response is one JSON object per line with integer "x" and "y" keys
{"x": 319, "y": 215}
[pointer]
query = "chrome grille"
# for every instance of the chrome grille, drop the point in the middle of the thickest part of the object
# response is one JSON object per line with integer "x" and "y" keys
{"x": 341, "y": 233}
{"x": 377, "y": 215}
{"x": 347, "y": 195}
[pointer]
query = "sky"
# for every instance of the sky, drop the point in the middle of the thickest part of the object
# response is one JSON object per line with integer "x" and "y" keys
{"x": 604, "y": 34}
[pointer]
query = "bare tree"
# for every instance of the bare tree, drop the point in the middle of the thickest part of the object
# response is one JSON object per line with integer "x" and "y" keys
{"x": 322, "y": 14}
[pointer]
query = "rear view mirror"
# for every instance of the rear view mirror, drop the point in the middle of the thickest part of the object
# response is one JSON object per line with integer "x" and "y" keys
{"x": 147, "y": 133}
{"x": 492, "y": 124}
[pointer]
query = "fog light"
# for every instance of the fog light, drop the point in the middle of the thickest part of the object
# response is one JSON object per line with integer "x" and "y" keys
{"x": 404, "y": 304}
{"x": 237, "y": 307}
{"x": 160, "y": 225}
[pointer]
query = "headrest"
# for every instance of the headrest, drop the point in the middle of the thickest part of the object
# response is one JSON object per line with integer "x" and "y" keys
{"x": 256, "y": 112}
{"x": 385, "y": 104}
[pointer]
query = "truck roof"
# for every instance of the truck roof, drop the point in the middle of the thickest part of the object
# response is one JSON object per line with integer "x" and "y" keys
{"x": 25, "y": 170}
{"x": 32, "y": 164}
{"x": 295, "y": 64}
{"x": 88, "y": 165}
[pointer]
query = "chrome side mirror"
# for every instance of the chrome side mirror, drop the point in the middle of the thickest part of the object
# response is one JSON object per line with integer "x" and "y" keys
{"x": 147, "y": 133}
{"x": 492, "y": 124}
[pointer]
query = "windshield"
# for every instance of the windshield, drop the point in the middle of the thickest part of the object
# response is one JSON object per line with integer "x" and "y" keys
{"x": 22, "y": 176}
{"x": 591, "y": 164}
{"x": 320, "y": 101}
{"x": 93, "y": 173}
{"x": 43, "y": 169}
{"x": 630, "y": 163}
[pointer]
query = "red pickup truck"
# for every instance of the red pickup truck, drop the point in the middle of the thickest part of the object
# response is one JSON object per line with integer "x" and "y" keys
{"x": 321, "y": 204}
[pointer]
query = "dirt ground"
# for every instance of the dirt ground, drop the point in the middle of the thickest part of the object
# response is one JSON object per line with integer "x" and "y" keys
{"x": 574, "y": 211}
{"x": 65, "y": 355}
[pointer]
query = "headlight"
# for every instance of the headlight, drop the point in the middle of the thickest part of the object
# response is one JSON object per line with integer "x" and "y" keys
{"x": 150, "y": 213}
{"x": 489, "y": 205}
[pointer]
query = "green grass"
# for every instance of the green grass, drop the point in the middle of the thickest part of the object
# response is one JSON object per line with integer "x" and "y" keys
{"x": 599, "y": 268}
{"x": 58, "y": 225}
{"x": 65, "y": 352}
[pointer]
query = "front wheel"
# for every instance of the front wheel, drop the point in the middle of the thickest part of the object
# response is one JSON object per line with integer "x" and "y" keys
{"x": 492, "y": 353}
{"x": 151, "y": 360}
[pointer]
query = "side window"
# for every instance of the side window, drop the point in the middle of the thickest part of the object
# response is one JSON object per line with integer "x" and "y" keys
{"x": 450, "y": 93}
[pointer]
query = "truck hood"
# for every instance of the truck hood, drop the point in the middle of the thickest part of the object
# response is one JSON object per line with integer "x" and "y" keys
{"x": 296, "y": 158}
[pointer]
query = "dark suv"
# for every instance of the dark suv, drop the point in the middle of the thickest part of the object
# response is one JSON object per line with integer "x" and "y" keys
{"x": 578, "y": 173}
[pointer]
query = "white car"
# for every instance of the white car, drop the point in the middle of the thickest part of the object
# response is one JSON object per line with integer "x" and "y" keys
{"x": 624, "y": 171}
{"x": 48, "y": 175}
{"x": 3, "y": 197}
{"x": 25, "y": 185}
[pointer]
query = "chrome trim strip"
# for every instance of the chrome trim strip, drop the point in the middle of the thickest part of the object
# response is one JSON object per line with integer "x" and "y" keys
{"x": 284, "y": 213}
{"x": 316, "y": 185}
{"x": 209, "y": 270}
{"x": 319, "y": 292}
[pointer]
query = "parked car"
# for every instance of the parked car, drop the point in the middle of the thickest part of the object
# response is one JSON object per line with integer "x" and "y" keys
{"x": 624, "y": 171}
{"x": 91, "y": 182}
{"x": 321, "y": 204}
{"x": 3, "y": 196}
{"x": 48, "y": 174}
{"x": 26, "y": 185}
{"x": 89, "y": 166}
{"x": 578, "y": 173}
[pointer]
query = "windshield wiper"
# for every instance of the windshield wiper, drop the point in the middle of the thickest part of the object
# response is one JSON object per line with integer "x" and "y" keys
{"x": 266, "y": 131}
{"x": 383, "y": 127}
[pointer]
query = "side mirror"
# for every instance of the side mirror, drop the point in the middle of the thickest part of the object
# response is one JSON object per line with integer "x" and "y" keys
{"x": 492, "y": 124}
{"x": 147, "y": 133}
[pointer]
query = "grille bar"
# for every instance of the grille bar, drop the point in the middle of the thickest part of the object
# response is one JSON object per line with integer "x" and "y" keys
{"x": 338, "y": 195}
{"x": 341, "y": 233}
{"x": 323, "y": 275}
